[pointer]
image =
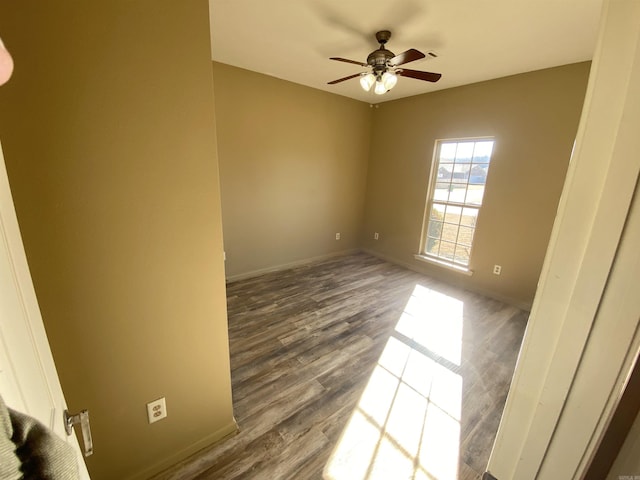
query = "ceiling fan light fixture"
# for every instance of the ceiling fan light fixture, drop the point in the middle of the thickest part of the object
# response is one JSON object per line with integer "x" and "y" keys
{"x": 383, "y": 67}
{"x": 367, "y": 81}
{"x": 379, "y": 88}
{"x": 389, "y": 80}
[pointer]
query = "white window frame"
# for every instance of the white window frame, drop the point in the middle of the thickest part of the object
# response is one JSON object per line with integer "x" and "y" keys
{"x": 430, "y": 200}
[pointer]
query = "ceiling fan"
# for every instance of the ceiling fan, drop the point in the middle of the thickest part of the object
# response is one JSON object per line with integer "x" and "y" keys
{"x": 384, "y": 67}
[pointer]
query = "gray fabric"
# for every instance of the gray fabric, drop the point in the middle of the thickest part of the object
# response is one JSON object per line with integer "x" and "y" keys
{"x": 30, "y": 450}
{"x": 9, "y": 461}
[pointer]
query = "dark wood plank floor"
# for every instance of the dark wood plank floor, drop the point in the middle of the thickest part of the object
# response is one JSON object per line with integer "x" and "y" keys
{"x": 307, "y": 342}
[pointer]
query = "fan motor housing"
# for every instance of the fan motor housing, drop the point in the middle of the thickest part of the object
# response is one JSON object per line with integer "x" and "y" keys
{"x": 378, "y": 59}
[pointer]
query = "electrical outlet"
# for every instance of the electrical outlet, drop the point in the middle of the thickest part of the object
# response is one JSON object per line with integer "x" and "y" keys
{"x": 337, "y": 236}
{"x": 497, "y": 269}
{"x": 376, "y": 236}
{"x": 157, "y": 410}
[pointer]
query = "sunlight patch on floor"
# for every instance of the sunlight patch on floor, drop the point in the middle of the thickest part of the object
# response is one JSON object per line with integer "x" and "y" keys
{"x": 407, "y": 423}
{"x": 434, "y": 320}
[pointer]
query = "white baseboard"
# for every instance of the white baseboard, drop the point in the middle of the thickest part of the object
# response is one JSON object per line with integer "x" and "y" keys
{"x": 416, "y": 268}
{"x": 285, "y": 266}
{"x": 166, "y": 464}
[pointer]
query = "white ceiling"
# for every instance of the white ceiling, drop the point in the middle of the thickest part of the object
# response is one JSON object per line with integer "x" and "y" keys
{"x": 476, "y": 40}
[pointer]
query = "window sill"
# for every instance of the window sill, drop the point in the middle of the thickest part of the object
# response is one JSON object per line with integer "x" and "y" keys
{"x": 440, "y": 263}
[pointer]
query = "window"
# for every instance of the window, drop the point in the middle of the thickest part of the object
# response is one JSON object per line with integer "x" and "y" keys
{"x": 458, "y": 177}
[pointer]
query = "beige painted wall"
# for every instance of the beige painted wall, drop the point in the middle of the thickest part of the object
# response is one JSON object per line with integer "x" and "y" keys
{"x": 107, "y": 133}
{"x": 293, "y": 164}
{"x": 534, "y": 118}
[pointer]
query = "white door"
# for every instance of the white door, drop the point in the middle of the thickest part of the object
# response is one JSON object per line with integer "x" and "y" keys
{"x": 28, "y": 378}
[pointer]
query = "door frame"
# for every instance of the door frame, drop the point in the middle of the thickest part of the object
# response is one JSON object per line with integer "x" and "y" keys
{"x": 584, "y": 255}
{"x": 28, "y": 375}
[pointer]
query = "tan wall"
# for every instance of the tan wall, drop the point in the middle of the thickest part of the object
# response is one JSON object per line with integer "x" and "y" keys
{"x": 293, "y": 164}
{"x": 534, "y": 119}
{"x": 107, "y": 133}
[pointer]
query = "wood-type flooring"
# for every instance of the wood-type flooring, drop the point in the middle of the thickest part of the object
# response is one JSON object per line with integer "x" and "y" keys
{"x": 354, "y": 368}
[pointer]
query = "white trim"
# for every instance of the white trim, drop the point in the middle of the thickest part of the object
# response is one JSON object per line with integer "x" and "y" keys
{"x": 531, "y": 440}
{"x": 441, "y": 263}
{"x": 433, "y": 180}
{"x": 169, "y": 466}
{"x": 285, "y": 266}
{"x": 420, "y": 269}
{"x": 605, "y": 365}
{"x": 29, "y": 369}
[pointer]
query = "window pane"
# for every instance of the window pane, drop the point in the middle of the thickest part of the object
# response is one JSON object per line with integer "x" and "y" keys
{"x": 435, "y": 229}
{"x": 441, "y": 192}
{"x": 474, "y": 194}
{"x": 482, "y": 152}
{"x": 447, "y": 250}
{"x": 465, "y": 236}
{"x": 469, "y": 217}
{"x": 464, "y": 152}
{"x": 461, "y": 173}
{"x": 447, "y": 152}
{"x": 453, "y": 214}
{"x": 449, "y": 232}
{"x": 444, "y": 172}
{"x": 432, "y": 246}
{"x": 458, "y": 193}
{"x": 478, "y": 173}
{"x": 437, "y": 212}
{"x": 462, "y": 255}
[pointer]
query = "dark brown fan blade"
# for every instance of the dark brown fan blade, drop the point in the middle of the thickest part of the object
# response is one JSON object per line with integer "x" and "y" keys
{"x": 343, "y": 79}
{"x": 348, "y": 61}
{"x": 406, "y": 57}
{"x": 427, "y": 76}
